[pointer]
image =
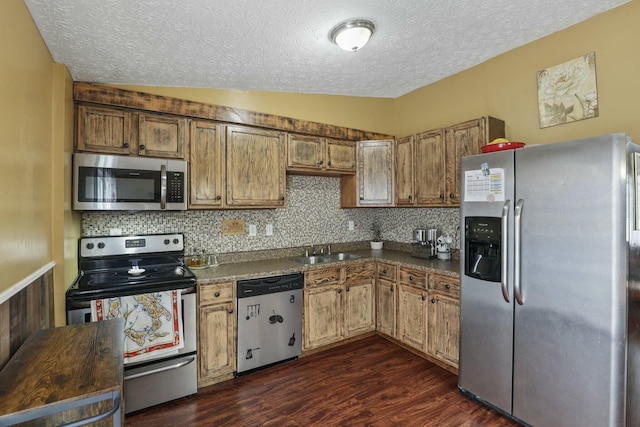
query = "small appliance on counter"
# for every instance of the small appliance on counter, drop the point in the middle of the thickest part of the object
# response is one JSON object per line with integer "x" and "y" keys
{"x": 444, "y": 247}
{"x": 425, "y": 243}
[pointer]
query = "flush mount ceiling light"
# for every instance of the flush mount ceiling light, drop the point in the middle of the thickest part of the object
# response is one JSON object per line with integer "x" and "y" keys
{"x": 353, "y": 34}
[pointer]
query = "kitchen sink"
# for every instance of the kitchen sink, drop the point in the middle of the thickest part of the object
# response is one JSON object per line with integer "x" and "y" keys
{"x": 319, "y": 259}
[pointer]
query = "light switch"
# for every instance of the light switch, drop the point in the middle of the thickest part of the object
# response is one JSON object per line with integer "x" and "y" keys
{"x": 253, "y": 230}
{"x": 351, "y": 226}
{"x": 269, "y": 230}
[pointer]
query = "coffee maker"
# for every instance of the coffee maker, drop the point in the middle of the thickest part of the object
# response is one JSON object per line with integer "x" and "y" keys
{"x": 425, "y": 242}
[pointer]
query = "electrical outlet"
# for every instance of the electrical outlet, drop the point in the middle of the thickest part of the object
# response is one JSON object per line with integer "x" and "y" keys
{"x": 253, "y": 230}
{"x": 115, "y": 232}
{"x": 351, "y": 226}
{"x": 268, "y": 230}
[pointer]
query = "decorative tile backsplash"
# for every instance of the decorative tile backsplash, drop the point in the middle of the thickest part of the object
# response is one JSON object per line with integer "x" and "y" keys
{"x": 312, "y": 216}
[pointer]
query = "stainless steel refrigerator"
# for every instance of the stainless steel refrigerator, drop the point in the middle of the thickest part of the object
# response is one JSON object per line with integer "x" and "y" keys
{"x": 549, "y": 282}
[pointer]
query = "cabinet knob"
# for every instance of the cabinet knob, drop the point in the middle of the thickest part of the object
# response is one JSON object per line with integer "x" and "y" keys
{"x": 391, "y": 289}
{"x": 339, "y": 291}
{"x": 384, "y": 271}
{"x": 142, "y": 146}
{"x": 409, "y": 197}
{"x": 125, "y": 145}
{"x": 218, "y": 197}
{"x": 281, "y": 198}
{"x": 230, "y": 311}
{"x": 424, "y": 297}
{"x": 217, "y": 294}
{"x": 329, "y": 163}
{"x": 433, "y": 300}
{"x": 442, "y": 196}
{"x": 447, "y": 287}
{"x": 320, "y": 163}
{"x": 348, "y": 288}
{"x": 410, "y": 278}
{"x": 452, "y": 196}
{"x": 361, "y": 198}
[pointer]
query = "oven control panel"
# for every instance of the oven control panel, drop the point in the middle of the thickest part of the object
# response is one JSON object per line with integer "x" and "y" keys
{"x": 124, "y": 245}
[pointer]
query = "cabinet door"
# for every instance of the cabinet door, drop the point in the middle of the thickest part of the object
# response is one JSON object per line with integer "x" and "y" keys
{"x": 360, "y": 310}
{"x": 404, "y": 168}
{"x": 412, "y": 317}
{"x": 322, "y": 316}
{"x": 304, "y": 152}
{"x": 375, "y": 173}
{"x": 386, "y": 307}
{"x": 205, "y": 167}
{"x": 255, "y": 167}
{"x": 104, "y": 130}
{"x": 217, "y": 343}
{"x": 462, "y": 140}
{"x": 161, "y": 136}
{"x": 430, "y": 168}
{"x": 340, "y": 155}
{"x": 444, "y": 328}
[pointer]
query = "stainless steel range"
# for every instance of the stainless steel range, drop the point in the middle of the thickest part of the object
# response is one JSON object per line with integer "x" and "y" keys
{"x": 143, "y": 279}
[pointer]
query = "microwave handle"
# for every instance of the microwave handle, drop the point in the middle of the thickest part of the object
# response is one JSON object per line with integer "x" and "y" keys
{"x": 163, "y": 187}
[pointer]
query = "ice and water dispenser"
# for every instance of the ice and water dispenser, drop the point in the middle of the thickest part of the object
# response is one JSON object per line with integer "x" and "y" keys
{"x": 483, "y": 240}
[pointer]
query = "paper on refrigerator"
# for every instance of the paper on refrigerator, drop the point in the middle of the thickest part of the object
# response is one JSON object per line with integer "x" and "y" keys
{"x": 484, "y": 185}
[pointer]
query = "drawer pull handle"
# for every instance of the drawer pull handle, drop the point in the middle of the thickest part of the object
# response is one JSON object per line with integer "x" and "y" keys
{"x": 410, "y": 278}
{"x": 424, "y": 298}
{"x": 217, "y": 294}
{"x": 433, "y": 300}
{"x": 447, "y": 287}
{"x": 384, "y": 271}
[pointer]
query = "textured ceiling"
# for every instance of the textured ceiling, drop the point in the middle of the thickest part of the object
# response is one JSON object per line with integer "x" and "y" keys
{"x": 283, "y": 45}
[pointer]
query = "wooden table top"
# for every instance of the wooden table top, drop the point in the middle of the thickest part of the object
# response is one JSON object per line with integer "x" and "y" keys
{"x": 62, "y": 365}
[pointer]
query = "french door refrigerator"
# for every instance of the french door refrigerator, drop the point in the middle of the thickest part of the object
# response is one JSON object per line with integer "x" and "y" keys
{"x": 549, "y": 282}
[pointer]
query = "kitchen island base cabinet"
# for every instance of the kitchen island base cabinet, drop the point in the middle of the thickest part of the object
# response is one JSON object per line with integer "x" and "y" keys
{"x": 217, "y": 343}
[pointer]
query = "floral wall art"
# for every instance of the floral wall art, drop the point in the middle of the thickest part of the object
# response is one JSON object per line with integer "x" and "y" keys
{"x": 567, "y": 92}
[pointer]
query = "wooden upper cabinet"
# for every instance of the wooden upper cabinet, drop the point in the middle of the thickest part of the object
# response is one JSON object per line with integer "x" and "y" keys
{"x": 430, "y": 167}
{"x": 255, "y": 167}
{"x": 104, "y": 130}
{"x": 340, "y": 155}
{"x": 374, "y": 173}
{"x": 305, "y": 152}
{"x": 404, "y": 169}
{"x": 466, "y": 139}
{"x": 316, "y": 155}
{"x": 206, "y": 155}
{"x": 116, "y": 131}
{"x": 161, "y": 136}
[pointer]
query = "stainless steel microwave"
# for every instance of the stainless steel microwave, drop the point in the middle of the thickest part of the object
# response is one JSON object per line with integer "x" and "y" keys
{"x": 125, "y": 183}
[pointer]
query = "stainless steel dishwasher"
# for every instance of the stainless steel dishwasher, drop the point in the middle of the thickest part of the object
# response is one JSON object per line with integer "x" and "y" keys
{"x": 269, "y": 320}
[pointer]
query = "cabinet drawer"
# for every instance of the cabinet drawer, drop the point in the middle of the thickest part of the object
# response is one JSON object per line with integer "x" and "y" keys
{"x": 445, "y": 284}
{"x": 357, "y": 272}
{"x": 413, "y": 277}
{"x": 387, "y": 271}
{"x": 216, "y": 293}
{"x": 321, "y": 276}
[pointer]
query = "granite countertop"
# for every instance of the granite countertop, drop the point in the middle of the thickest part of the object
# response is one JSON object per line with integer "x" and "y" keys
{"x": 278, "y": 266}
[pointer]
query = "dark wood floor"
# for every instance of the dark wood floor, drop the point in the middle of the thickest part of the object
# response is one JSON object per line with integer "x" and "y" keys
{"x": 370, "y": 382}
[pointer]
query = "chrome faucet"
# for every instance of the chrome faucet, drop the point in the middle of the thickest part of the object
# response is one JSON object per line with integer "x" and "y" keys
{"x": 328, "y": 249}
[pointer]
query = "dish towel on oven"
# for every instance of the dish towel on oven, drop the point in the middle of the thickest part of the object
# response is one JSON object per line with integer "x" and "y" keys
{"x": 153, "y": 323}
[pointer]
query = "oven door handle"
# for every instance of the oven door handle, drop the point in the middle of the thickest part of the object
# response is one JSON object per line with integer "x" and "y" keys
{"x": 165, "y": 368}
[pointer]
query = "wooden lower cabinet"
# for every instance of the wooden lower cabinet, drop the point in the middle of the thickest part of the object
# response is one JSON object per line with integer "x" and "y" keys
{"x": 360, "y": 308}
{"x": 386, "y": 307}
{"x": 412, "y": 316}
{"x": 322, "y": 316}
{"x": 217, "y": 342}
{"x": 444, "y": 318}
{"x": 339, "y": 303}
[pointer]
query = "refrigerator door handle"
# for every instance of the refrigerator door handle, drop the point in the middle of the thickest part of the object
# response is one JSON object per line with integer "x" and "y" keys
{"x": 505, "y": 240}
{"x": 517, "y": 215}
